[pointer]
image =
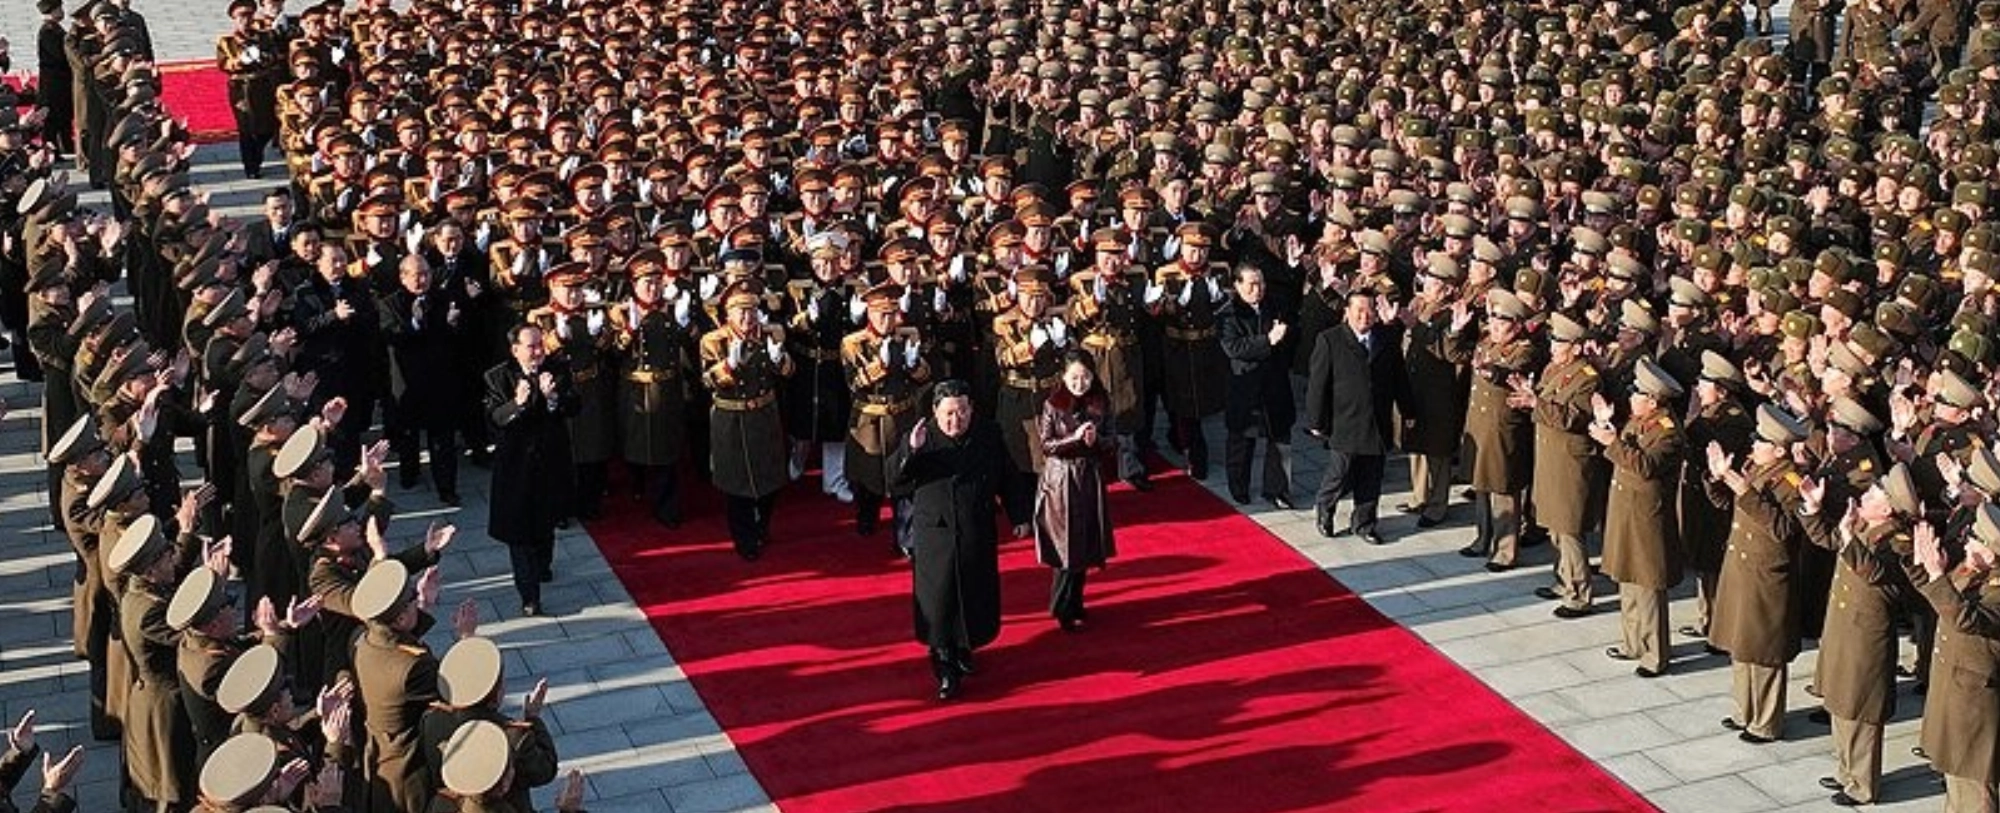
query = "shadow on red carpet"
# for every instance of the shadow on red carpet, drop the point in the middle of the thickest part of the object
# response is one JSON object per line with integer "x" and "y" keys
{"x": 1221, "y": 671}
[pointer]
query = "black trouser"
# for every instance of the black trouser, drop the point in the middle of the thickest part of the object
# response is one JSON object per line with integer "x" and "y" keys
{"x": 590, "y": 485}
{"x": 1237, "y": 453}
{"x": 250, "y": 148}
{"x": 1066, "y": 595}
{"x": 696, "y": 430}
{"x": 868, "y": 512}
{"x": 1197, "y": 446}
{"x": 659, "y": 486}
{"x": 532, "y": 563}
{"x": 1017, "y": 496}
{"x": 443, "y": 445}
{"x": 1359, "y": 475}
{"x": 749, "y": 521}
{"x": 945, "y": 661}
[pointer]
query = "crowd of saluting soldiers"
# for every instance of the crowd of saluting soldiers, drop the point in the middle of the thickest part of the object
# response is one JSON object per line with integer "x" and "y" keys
{"x": 1720, "y": 305}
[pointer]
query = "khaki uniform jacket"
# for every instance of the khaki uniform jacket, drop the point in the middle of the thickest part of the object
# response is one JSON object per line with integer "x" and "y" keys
{"x": 1503, "y": 437}
{"x": 1961, "y": 730}
{"x": 1641, "y": 533}
{"x": 1756, "y": 616}
{"x": 1856, "y": 674}
{"x": 396, "y": 678}
{"x": 1705, "y": 521}
{"x": 885, "y": 402}
{"x": 1568, "y": 494}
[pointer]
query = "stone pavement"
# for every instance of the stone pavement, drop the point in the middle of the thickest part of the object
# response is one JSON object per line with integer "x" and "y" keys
{"x": 622, "y": 711}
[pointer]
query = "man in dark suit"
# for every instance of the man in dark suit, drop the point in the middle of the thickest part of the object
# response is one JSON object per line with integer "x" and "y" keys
{"x": 1254, "y": 336}
{"x": 1357, "y": 378}
{"x": 423, "y": 325}
{"x": 270, "y": 239}
{"x": 457, "y": 265}
{"x": 530, "y": 399}
{"x": 339, "y": 340}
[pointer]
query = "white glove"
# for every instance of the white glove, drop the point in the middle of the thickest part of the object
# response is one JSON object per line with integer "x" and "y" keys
{"x": 339, "y": 54}
{"x": 562, "y": 327}
{"x": 1097, "y": 289}
{"x": 592, "y": 296}
{"x": 610, "y": 191}
{"x": 1172, "y": 250}
{"x": 521, "y": 264}
{"x": 1153, "y": 293}
{"x": 903, "y": 302}
{"x": 346, "y": 199}
{"x": 699, "y": 221}
{"x": 885, "y": 353}
{"x": 958, "y": 268}
{"x": 735, "y": 359}
{"x": 1214, "y": 290}
{"x": 645, "y": 187}
{"x": 1037, "y": 338}
{"x": 250, "y": 54}
{"x": 938, "y": 302}
{"x": 763, "y": 317}
{"x": 873, "y": 218}
{"x": 484, "y": 235}
{"x": 708, "y": 286}
{"x": 638, "y": 117}
{"x": 1136, "y": 250}
{"x": 910, "y": 355}
{"x": 1059, "y": 332}
{"x": 374, "y": 256}
{"x": 595, "y": 322}
{"x": 776, "y": 351}
{"x": 812, "y": 310}
{"x": 414, "y": 238}
{"x": 1187, "y": 293}
{"x": 1062, "y": 264}
{"x": 681, "y": 312}
{"x": 855, "y": 308}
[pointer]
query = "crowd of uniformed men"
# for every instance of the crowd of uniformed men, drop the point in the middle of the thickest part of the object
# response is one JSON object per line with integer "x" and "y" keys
{"x": 1722, "y": 304}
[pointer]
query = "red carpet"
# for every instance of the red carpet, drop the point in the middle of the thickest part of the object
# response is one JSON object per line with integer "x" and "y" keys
{"x": 198, "y": 93}
{"x": 195, "y": 92}
{"x": 1221, "y": 672}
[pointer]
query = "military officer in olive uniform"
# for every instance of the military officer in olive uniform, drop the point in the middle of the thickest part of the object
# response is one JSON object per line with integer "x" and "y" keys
{"x": 577, "y": 334}
{"x": 816, "y": 396}
{"x": 649, "y": 331}
{"x": 743, "y": 362}
{"x": 1716, "y": 416}
{"x": 886, "y": 371}
{"x": 1105, "y": 310}
{"x": 1642, "y": 548}
{"x": 1503, "y": 436}
{"x": 1960, "y": 715}
{"x": 396, "y": 680}
{"x": 1567, "y": 502}
{"x": 471, "y": 681}
{"x": 1856, "y": 674}
{"x": 1182, "y": 298}
{"x": 159, "y": 746}
{"x": 1756, "y": 619}
{"x": 1028, "y": 340}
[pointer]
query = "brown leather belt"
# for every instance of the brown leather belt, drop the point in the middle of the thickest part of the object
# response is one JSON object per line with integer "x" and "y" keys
{"x": 733, "y": 405}
{"x": 1108, "y": 340}
{"x": 1030, "y": 382}
{"x": 1201, "y": 335}
{"x": 822, "y": 354}
{"x": 650, "y": 375}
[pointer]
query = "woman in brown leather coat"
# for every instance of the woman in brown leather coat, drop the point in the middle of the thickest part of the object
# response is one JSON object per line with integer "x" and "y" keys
{"x": 1072, "y": 527}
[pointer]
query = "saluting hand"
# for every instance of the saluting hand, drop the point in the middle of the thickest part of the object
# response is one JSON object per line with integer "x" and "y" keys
{"x": 919, "y": 435}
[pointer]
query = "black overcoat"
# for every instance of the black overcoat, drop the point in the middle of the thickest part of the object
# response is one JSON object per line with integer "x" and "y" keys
{"x": 533, "y": 476}
{"x": 952, "y": 483}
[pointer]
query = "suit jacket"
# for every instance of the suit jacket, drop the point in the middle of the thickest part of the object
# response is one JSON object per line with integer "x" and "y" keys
{"x": 262, "y": 243}
{"x": 1352, "y": 392}
{"x": 1260, "y": 380}
{"x": 347, "y": 354}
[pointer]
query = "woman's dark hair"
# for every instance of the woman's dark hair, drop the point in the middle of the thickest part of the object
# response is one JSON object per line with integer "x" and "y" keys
{"x": 1078, "y": 356}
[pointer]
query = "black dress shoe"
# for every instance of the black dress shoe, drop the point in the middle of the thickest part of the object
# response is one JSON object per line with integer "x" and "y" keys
{"x": 449, "y": 498}
{"x": 1241, "y": 499}
{"x": 963, "y": 663}
{"x": 1692, "y": 631}
{"x": 1754, "y": 739}
{"x": 1370, "y": 537}
{"x": 1283, "y": 503}
{"x": 1408, "y": 508}
{"x": 1920, "y": 688}
{"x": 1427, "y": 522}
{"x": 531, "y": 610}
{"x": 1643, "y": 672}
{"x": 1820, "y": 716}
{"x": 1714, "y": 650}
{"x": 1496, "y": 567}
{"x": 1844, "y": 800}
{"x": 1472, "y": 552}
{"x": 1829, "y": 783}
{"x": 1617, "y": 654}
{"x": 1198, "y": 472}
{"x": 1547, "y": 593}
{"x": 1326, "y": 530}
{"x": 1905, "y": 672}
{"x": 1729, "y": 723}
{"x": 1567, "y": 612}
{"x": 751, "y": 554}
{"x": 1919, "y": 752}
{"x": 1069, "y": 624}
{"x": 947, "y": 687}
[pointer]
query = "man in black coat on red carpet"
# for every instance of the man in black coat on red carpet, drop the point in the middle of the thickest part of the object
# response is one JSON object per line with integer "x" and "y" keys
{"x": 951, "y": 468}
{"x": 1255, "y": 336}
{"x": 1357, "y": 379}
{"x": 530, "y": 399}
